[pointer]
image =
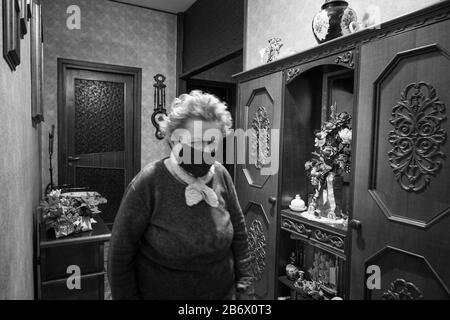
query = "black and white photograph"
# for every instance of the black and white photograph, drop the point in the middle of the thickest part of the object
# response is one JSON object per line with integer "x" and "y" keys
{"x": 227, "y": 156}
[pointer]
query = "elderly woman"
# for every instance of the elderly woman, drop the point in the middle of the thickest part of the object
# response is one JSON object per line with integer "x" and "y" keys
{"x": 180, "y": 232}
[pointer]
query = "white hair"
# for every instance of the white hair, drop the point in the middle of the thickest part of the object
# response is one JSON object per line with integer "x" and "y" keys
{"x": 197, "y": 105}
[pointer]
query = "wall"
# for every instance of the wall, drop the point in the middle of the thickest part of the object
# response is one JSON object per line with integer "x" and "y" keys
{"x": 117, "y": 34}
{"x": 222, "y": 72}
{"x": 19, "y": 177}
{"x": 211, "y": 29}
{"x": 291, "y": 21}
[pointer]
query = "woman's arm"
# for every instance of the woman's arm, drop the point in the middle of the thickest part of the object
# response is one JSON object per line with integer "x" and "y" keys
{"x": 240, "y": 247}
{"x": 130, "y": 223}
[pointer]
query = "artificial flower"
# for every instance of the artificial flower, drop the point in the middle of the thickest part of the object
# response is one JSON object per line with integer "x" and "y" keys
{"x": 346, "y": 136}
{"x": 329, "y": 151}
{"x": 319, "y": 143}
{"x": 66, "y": 213}
{"x": 333, "y": 149}
{"x": 330, "y": 126}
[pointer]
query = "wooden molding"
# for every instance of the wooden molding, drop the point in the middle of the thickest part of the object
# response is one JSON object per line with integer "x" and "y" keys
{"x": 435, "y": 13}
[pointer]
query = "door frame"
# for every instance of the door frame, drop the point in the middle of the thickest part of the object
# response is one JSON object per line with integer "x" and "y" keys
{"x": 66, "y": 64}
{"x": 217, "y": 84}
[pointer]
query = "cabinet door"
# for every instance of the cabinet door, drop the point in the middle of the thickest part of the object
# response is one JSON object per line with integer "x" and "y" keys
{"x": 402, "y": 185}
{"x": 260, "y": 109}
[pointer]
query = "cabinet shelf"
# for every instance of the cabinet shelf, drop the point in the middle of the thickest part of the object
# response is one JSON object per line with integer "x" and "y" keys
{"x": 290, "y": 284}
{"x": 322, "y": 236}
{"x": 338, "y": 229}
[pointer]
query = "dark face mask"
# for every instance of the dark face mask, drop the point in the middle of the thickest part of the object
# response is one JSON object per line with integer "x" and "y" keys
{"x": 198, "y": 169}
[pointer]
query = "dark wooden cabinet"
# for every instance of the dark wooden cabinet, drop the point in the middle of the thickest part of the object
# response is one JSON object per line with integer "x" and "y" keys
{"x": 260, "y": 103}
{"x": 84, "y": 251}
{"x": 394, "y": 80}
{"x": 402, "y": 183}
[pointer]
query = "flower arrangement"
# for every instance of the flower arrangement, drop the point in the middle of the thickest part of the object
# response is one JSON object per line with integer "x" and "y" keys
{"x": 69, "y": 213}
{"x": 333, "y": 150}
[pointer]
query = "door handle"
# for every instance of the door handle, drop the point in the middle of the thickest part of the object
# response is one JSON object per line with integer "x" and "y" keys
{"x": 71, "y": 159}
{"x": 355, "y": 224}
{"x": 272, "y": 200}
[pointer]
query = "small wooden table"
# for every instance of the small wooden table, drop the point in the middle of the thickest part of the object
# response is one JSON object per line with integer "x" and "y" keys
{"x": 58, "y": 258}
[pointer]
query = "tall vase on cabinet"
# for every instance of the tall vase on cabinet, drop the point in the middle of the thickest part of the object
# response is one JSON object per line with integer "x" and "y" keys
{"x": 330, "y": 197}
{"x": 333, "y": 21}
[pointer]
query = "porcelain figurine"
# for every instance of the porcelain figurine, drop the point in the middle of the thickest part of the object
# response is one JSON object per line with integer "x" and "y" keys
{"x": 273, "y": 49}
{"x": 292, "y": 271}
{"x": 371, "y": 19}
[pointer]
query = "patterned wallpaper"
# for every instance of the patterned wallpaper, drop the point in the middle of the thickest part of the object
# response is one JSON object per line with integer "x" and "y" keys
{"x": 291, "y": 20}
{"x": 19, "y": 176}
{"x": 111, "y": 33}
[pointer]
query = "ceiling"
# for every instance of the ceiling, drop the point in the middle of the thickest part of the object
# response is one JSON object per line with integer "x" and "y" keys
{"x": 173, "y": 6}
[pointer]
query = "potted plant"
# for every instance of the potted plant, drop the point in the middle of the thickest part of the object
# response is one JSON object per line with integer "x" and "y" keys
{"x": 69, "y": 213}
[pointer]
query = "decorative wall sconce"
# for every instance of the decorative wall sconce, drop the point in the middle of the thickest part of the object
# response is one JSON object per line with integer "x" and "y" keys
{"x": 160, "y": 113}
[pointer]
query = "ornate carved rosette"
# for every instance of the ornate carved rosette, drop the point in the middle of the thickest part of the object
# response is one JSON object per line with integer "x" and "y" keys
{"x": 417, "y": 137}
{"x": 260, "y": 142}
{"x": 257, "y": 244}
{"x": 346, "y": 58}
{"x": 402, "y": 290}
{"x": 292, "y": 73}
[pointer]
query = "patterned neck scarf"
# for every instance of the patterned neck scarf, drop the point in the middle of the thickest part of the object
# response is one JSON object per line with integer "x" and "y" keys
{"x": 196, "y": 189}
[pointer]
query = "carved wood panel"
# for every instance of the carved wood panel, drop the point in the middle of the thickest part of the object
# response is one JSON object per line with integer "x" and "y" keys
{"x": 259, "y": 111}
{"x": 402, "y": 290}
{"x": 405, "y": 276}
{"x": 260, "y": 142}
{"x": 401, "y": 175}
{"x": 326, "y": 240}
{"x": 257, "y": 244}
{"x": 410, "y": 148}
{"x": 417, "y": 137}
{"x": 258, "y": 229}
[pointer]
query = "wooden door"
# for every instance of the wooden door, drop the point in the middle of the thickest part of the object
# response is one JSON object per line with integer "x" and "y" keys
{"x": 402, "y": 185}
{"x": 260, "y": 108}
{"x": 97, "y": 131}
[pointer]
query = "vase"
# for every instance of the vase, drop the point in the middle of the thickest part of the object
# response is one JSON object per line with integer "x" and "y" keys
{"x": 333, "y": 21}
{"x": 329, "y": 203}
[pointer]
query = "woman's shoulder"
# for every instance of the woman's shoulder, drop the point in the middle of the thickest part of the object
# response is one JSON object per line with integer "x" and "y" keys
{"x": 222, "y": 172}
{"x": 149, "y": 174}
{"x": 220, "y": 168}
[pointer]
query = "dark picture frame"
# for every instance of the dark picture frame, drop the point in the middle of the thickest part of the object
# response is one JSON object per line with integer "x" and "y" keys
{"x": 36, "y": 56}
{"x": 11, "y": 32}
